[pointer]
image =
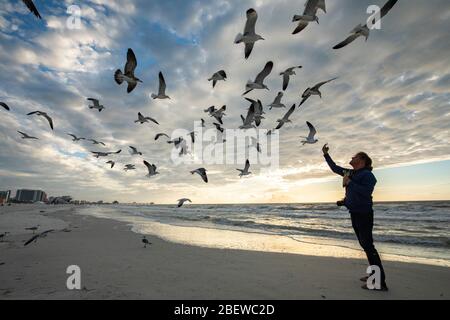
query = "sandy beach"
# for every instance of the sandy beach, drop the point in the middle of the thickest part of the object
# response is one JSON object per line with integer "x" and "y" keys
{"x": 114, "y": 265}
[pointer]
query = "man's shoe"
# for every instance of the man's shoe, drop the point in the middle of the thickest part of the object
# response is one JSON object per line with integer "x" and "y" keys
{"x": 383, "y": 288}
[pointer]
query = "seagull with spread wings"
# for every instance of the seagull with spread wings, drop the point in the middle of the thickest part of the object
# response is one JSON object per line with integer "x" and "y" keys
{"x": 96, "y": 104}
{"x": 161, "y": 89}
{"x": 4, "y": 105}
{"x": 141, "y": 119}
{"x": 309, "y": 15}
{"x": 286, "y": 75}
{"x": 315, "y": 90}
{"x": 218, "y": 76}
{"x": 128, "y": 74}
{"x": 310, "y": 139}
{"x": 26, "y": 136}
{"x": 244, "y": 172}
{"x": 249, "y": 37}
{"x": 363, "y": 30}
{"x": 285, "y": 119}
{"x": 202, "y": 173}
{"x": 43, "y": 114}
{"x": 259, "y": 80}
{"x": 151, "y": 169}
{"x": 75, "y": 138}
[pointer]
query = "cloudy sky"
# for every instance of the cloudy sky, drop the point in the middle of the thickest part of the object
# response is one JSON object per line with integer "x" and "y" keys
{"x": 392, "y": 98}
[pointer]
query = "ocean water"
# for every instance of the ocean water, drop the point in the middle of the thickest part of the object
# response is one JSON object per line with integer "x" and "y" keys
{"x": 403, "y": 231}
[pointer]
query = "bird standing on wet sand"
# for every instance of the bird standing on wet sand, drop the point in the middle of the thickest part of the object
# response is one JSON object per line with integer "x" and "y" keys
{"x": 145, "y": 242}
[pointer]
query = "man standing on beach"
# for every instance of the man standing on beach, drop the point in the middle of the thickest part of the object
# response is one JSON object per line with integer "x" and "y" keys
{"x": 359, "y": 184}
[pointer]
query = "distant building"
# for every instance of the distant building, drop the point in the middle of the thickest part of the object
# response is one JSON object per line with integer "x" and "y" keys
{"x": 60, "y": 200}
{"x": 4, "y": 196}
{"x": 31, "y": 196}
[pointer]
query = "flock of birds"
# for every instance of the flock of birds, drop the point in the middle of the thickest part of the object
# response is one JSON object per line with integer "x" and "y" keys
{"x": 255, "y": 112}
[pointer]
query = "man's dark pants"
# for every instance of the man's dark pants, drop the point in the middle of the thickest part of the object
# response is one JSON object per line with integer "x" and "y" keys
{"x": 363, "y": 225}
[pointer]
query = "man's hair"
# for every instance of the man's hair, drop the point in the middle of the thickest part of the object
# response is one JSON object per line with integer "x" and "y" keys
{"x": 367, "y": 161}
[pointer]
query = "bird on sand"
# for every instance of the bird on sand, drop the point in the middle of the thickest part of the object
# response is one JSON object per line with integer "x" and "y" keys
{"x": 286, "y": 75}
{"x": 277, "y": 102}
{"x": 258, "y": 83}
{"x": 26, "y": 136}
{"x": 75, "y": 138}
{"x": 310, "y": 138}
{"x": 32, "y": 8}
{"x": 159, "y": 135}
{"x": 35, "y": 228}
{"x": 4, "y": 105}
{"x": 141, "y": 119}
{"x": 182, "y": 201}
{"x": 128, "y": 74}
{"x": 202, "y": 173}
{"x": 151, "y": 169}
{"x": 363, "y": 30}
{"x": 112, "y": 163}
{"x": 161, "y": 89}
{"x": 145, "y": 242}
{"x": 285, "y": 118}
{"x": 99, "y": 154}
{"x": 249, "y": 37}
{"x": 218, "y": 76}
{"x": 95, "y": 104}
{"x": 314, "y": 91}
{"x": 244, "y": 172}
{"x": 36, "y": 237}
{"x": 43, "y": 114}
{"x": 309, "y": 15}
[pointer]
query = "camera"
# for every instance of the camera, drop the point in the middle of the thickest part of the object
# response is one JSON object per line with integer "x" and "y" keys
{"x": 341, "y": 203}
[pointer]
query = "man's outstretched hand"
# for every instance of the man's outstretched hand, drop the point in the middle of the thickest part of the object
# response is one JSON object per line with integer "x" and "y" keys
{"x": 325, "y": 149}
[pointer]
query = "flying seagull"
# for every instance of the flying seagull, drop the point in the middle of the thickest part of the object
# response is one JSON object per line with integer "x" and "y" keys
{"x": 43, "y": 114}
{"x": 75, "y": 138}
{"x": 249, "y": 37}
{"x": 128, "y": 74}
{"x": 176, "y": 141}
{"x": 256, "y": 144}
{"x": 314, "y": 91}
{"x": 112, "y": 163}
{"x": 192, "y": 135}
{"x": 182, "y": 201}
{"x": 218, "y": 114}
{"x": 162, "y": 88}
{"x": 286, "y": 75}
{"x": 129, "y": 167}
{"x": 277, "y": 102}
{"x": 26, "y": 136}
{"x": 141, "y": 119}
{"x": 218, "y": 127}
{"x": 32, "y": 8}
{"x": 96, "y": 142}
{"x": 259, "y": 80}
{"x": 285, "y": 119}
{"x": 244, "y": 172}
{"x": 134, "y": 151}
{"x": 310, "y": 138}
{"x": 145, "y": 242}
{"x": 363, "y": 30}
{"x": 202, "y": 173}
{"x": 151, "y": 169}
{"x": 4, "y": 105}
{"x": 99, "y": 154}
{"x": 96, "y": 104}
{"x": 219, "y": 75}
{"x": 309, "y": 15}
{"x": 161, "y": 135}
{"x": 255, "y": 113}
{"x": 36, "y": 237}
{"x": 203, "y": 123}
